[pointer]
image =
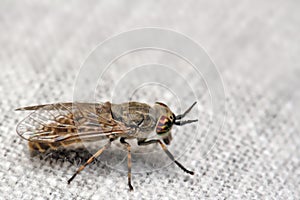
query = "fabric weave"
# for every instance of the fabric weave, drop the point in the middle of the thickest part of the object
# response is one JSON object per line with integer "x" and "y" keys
{"x": 255, "y": 46}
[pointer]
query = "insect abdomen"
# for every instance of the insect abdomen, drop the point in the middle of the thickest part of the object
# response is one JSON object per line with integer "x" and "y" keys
{"x": 37, "y": 146}
{"x": 43, "y": 147}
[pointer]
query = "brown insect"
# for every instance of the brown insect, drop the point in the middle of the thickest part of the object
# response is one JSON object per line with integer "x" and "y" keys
{"x": 58, "y": 125}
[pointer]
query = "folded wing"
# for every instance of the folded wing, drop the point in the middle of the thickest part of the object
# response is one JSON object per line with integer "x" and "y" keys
{"x": 70, "y": 122}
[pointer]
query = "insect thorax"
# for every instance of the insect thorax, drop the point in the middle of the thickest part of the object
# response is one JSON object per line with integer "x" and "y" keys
{"x": 138, "y": 116}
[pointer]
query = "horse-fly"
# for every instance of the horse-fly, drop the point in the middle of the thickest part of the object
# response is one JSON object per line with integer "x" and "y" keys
{"x": 57, "y": 125}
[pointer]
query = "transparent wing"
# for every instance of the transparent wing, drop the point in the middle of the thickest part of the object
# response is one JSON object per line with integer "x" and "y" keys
{"x": 70, "y": 122}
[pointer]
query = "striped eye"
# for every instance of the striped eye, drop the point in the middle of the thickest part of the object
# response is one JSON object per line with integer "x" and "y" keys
{"x": 164, "y": 125}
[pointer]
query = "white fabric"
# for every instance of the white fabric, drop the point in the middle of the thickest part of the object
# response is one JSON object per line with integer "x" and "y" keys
{"x": 255, "y": 45}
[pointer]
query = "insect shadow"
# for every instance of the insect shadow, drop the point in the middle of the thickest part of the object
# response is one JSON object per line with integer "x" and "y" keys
{"x": 113, "y": 158}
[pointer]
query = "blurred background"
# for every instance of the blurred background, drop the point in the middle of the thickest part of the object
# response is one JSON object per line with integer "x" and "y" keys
{"x": 254, "y": 45}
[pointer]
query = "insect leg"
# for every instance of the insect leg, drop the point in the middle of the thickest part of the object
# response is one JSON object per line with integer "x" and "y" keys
{"x": 167, "y": 152}
{"x": 90, "y": 160}
{"x": 122, "y": 140}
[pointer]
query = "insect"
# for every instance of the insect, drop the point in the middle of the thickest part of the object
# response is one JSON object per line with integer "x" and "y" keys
{"x": 51, "y": 126}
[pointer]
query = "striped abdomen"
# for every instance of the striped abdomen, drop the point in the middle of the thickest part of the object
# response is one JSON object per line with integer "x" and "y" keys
{"x": 42, "y": 146}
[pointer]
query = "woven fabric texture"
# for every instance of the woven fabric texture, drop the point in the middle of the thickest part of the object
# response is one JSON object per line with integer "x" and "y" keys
{"x": 254, "y": 44}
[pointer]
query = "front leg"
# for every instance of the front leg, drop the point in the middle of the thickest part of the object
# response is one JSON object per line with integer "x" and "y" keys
{"x": 164, "y": 147}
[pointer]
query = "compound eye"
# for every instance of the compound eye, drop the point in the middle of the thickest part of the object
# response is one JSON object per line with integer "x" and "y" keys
{"x": 164, "y": 125}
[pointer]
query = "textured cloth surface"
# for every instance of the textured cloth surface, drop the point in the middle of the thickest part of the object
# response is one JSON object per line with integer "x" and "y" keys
{"x": 255, "y": 46}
